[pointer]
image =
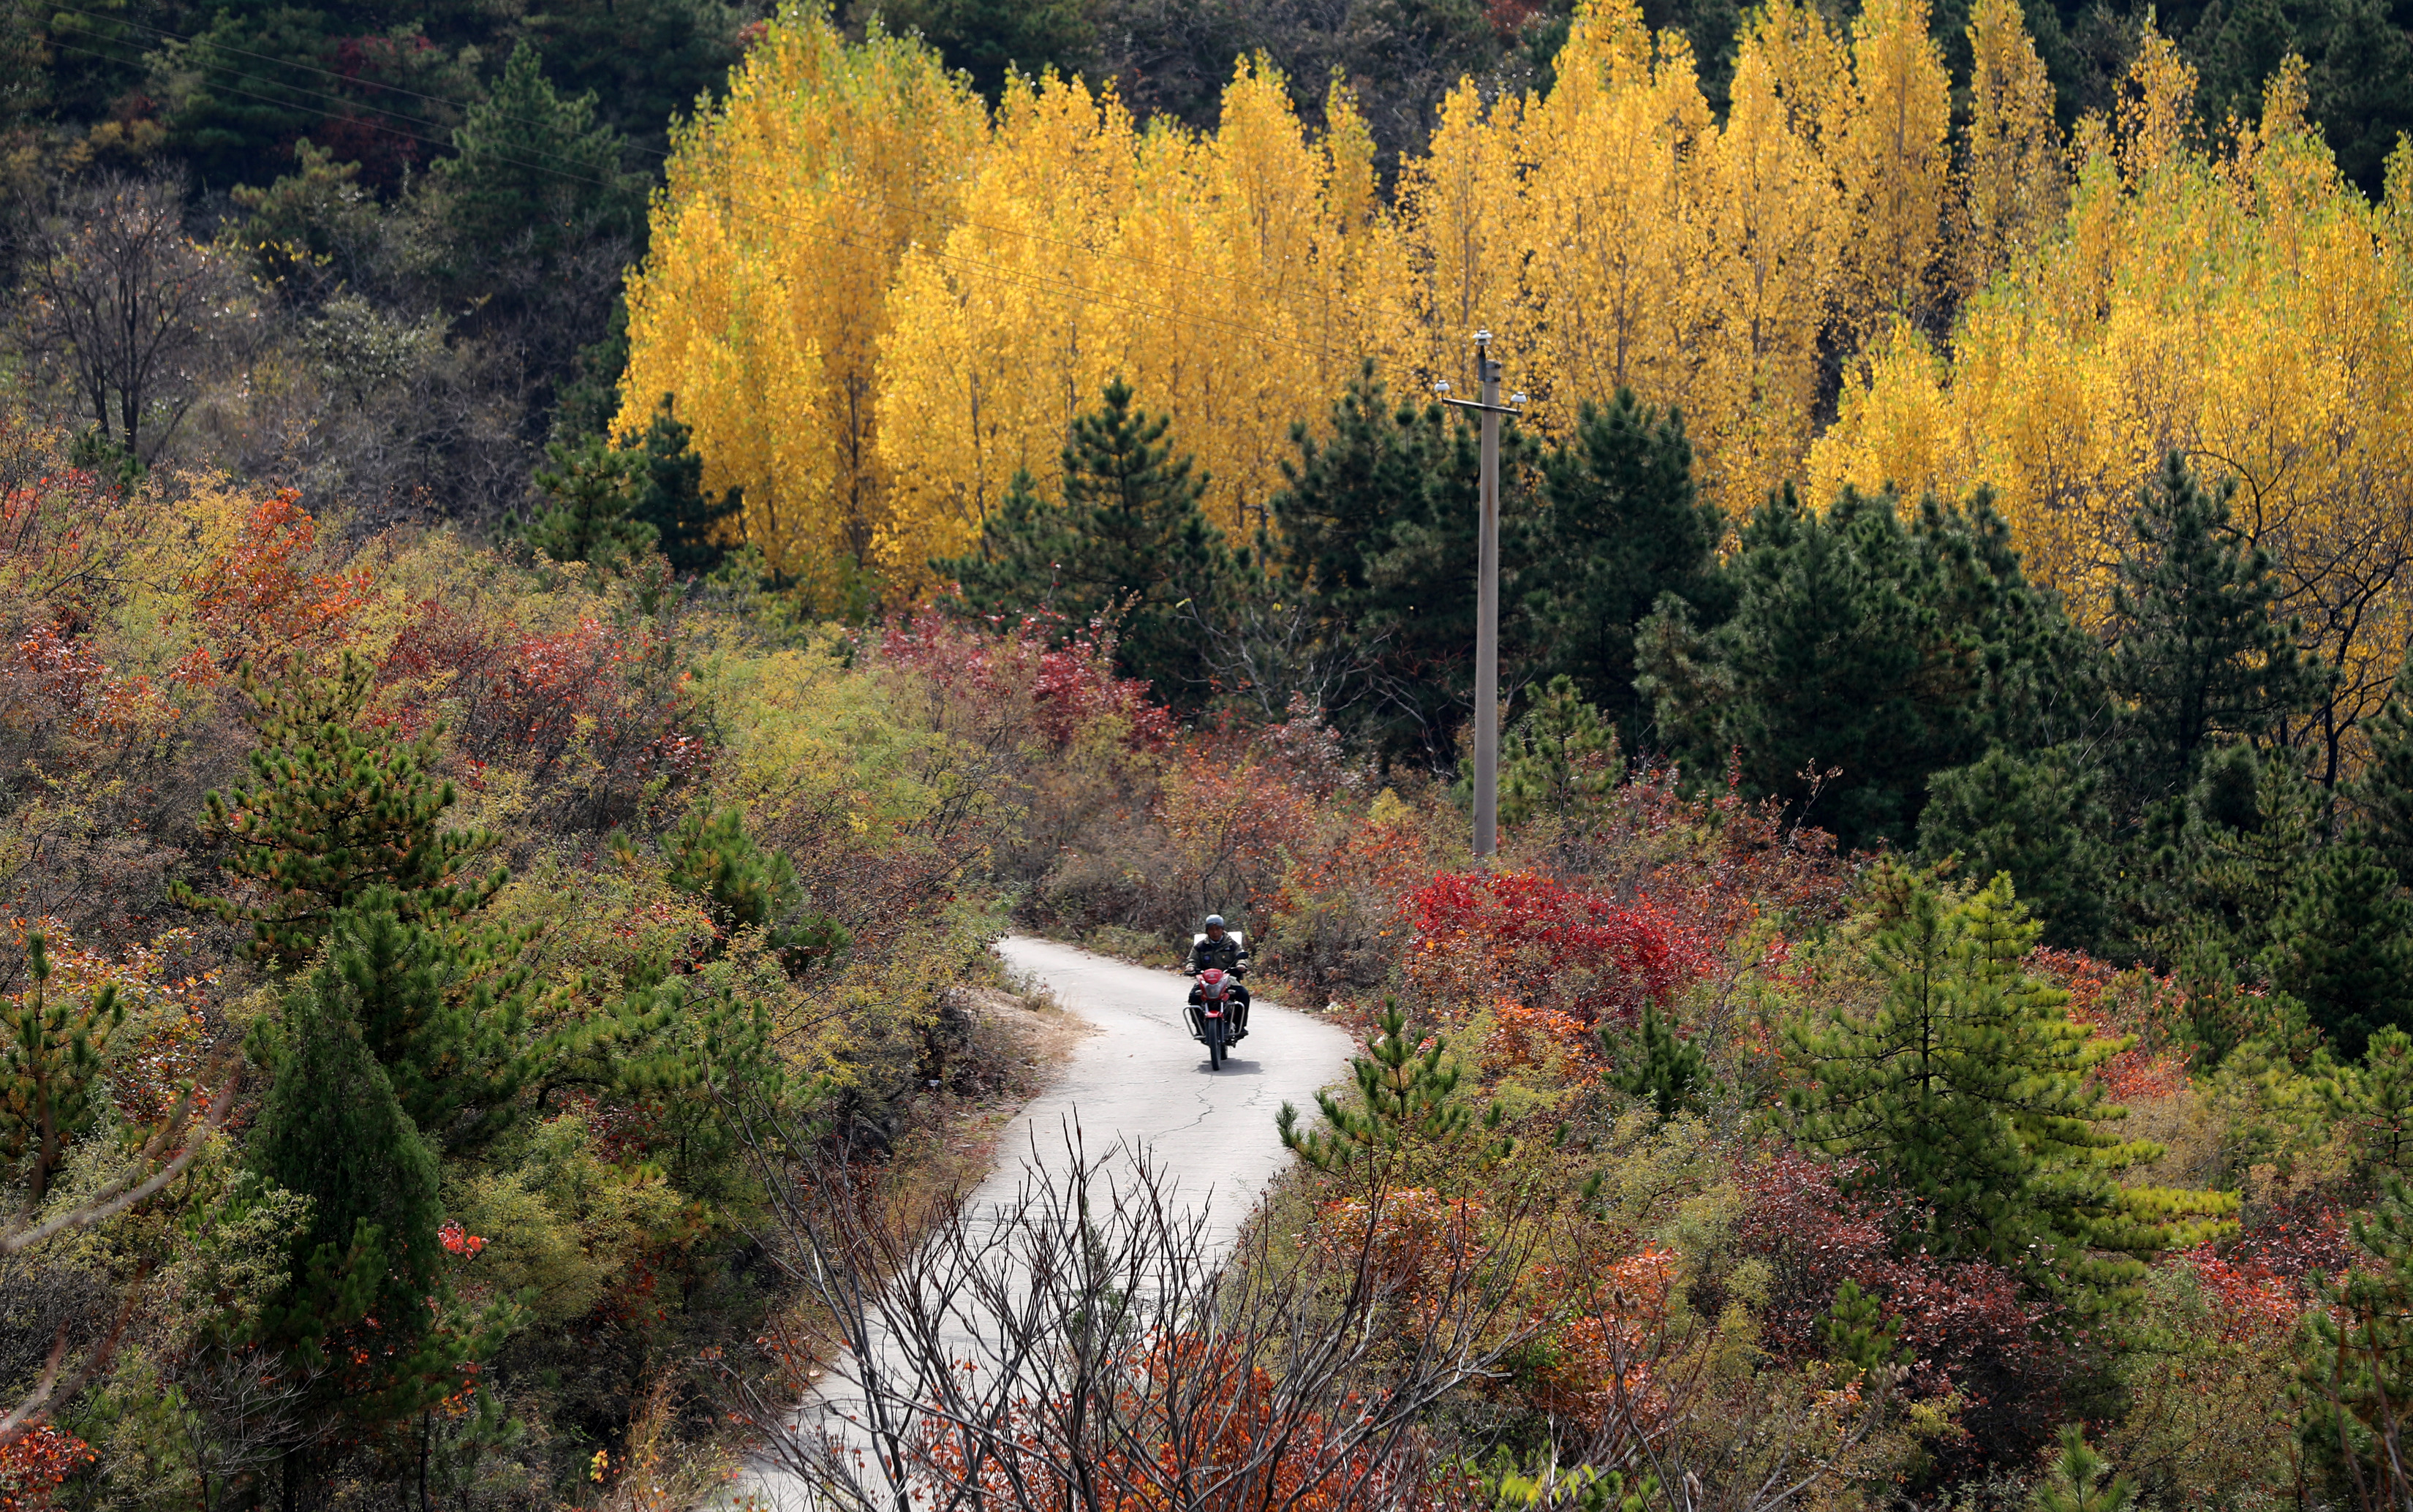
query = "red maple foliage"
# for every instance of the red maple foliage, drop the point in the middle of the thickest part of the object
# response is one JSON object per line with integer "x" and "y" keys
{"x": 37, "y": 1464}
{"x": 1526, "y": 939}
{"x": 261, "y": 602}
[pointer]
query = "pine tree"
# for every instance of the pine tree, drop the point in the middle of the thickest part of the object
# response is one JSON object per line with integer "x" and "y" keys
{"x": 588, "y": 512}
{"x": 337, "y": 808}
{"x": 2202, "y": 654}
{"x": 354, "y": 1319}
{"x": 2074, "y": 1481}
{"x": 533, "y": 174}
{"x": 2381, "y": 795}
{"x": 666, "y": 481}
{"x": 2356, "y": 1363}
{"x": 49, "y": 1070}
{"x": 1967, "y": 1090}
{"x": 1409, "y": 1109}
{"x": 2373, "y": 1104}
{"x": 1129, "y": 545}
{"x": 2038, "y": 818}
{"x": 1559, "y": 760}
{"x": 1623, "y": 525}
{"x": 1857, "y": 1332}
{"x": 444, "y": 1015}
{"x": 1865, "y": 646}
{"x": 2343, "y": 946}
{"x": 1657, "y": 1063}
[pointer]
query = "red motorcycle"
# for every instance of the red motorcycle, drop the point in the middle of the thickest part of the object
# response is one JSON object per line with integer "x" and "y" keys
{"x": 1211, "y": 1015}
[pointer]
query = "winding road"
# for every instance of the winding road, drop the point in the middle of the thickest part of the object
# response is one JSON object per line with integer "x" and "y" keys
{"x": 1141, "y": 1079}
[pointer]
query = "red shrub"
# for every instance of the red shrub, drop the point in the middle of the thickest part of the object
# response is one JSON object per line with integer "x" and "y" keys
{"x": 34, "y": 1466}
{"x": 260, "y": 602}
{"x": 1530, "y": 940}
{"x": 1063, "y": 683}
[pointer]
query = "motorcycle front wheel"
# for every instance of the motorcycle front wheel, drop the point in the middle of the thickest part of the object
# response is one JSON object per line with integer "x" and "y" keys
{"x": 1215, "y": 1044}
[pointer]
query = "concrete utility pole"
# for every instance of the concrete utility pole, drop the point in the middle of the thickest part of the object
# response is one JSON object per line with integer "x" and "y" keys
{"x": 1487, "y": 595}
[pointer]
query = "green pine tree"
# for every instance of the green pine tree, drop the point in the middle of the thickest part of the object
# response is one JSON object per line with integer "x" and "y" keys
{"x": 2373, "y": 1103}
{"x": 1857, "y": 1332}
{"x": 49, "y": 1071}
{"x": 2357, "y": 1364}
{"x": 666, "y": 479}
{"x": 2074, "y": 1481}
{"x": 1409, "y": 1109}
{"x": 1375, "y": 532}
{"x": 987, "y": 38}
{"x": 1128, "y": 546}
{"x": 1621, "y": 524}
{"x": 336, "y": 809}
{"x": 444, "y": 1013}
{"x": 589, "y": 510}
{"x": 355, "y": 1319}
{"x": 2202, "y": 654}
{"x": 2381, "y": 797}
{"x": 2343, "y": 946}
{"x": 1656, "y": 1063}
{"x": 534, "y": 175}
{"x": 2037, "y": 817}
{"x": 1560, "y": 759}
{"x": 1866, "y": 652}
{"x": 1967, "y": 1088}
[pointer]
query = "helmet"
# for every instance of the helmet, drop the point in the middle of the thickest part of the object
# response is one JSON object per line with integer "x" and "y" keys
{"x": 1214, "y": 921}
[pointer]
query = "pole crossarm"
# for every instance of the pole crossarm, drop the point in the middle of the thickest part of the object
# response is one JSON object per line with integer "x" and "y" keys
{"x": 1493, "y": 410}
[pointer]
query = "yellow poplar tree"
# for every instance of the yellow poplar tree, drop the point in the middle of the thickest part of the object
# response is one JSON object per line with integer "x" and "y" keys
{"x": 2245, "y": 307}
{"x": 2013, "y": 188}
{"x": 1891, "y": 156}
{"x": 762, "y": 300}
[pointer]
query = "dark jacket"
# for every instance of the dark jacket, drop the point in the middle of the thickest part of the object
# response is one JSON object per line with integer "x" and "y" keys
{"x": 1227, "y": 954}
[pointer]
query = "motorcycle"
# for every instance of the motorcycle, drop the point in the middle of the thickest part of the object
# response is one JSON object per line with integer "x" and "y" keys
{"x": 1210, "y": 1018}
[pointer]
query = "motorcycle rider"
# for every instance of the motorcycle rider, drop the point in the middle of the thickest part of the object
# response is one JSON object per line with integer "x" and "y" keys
{"x": 1218, "y": 948}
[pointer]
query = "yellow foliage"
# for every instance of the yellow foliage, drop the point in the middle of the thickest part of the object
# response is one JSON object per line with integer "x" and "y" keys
{"x": 2247, "y": 308}
{"x": 787, "y": 212}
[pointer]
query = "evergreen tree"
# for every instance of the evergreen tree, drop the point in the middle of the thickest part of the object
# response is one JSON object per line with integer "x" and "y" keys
{"x": 1129, "y": 545}
{"x": 2381, "y": 795}
{"x": 2373, "y": 1103}
{"x": 444, "y": 1015}
{"x": 1967, "y": 1090}
{"x": 533, "y": 176}
{"x": 2358, "y": 1364}
{"x": 1409, "y": 1108}
{"x": 1622, "y": 523}
{"x": 2037, "y": 817}
{"x": 666, "y": 479}
{"x": 1656, "y": 1063}
{"x": 588, "y": 512}
{"x": 986, "y": 37}
{"x": 337, "y": 809}
{"x": 2217, "y": 865}
{"x": 2074, "y": 1481}
{"x": 354, "y": 1319}
{"x": 1857, "y": 1332}
{"x": 2343, "y": 946}
{"x": 1864, "y": 654}
{"x": 1559, "y": 760}
{"x": 2202, "y": 654}
{"x": 49, "y": 1070}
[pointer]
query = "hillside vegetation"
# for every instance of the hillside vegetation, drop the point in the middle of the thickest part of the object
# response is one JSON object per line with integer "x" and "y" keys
{"x": 563, "y": 576}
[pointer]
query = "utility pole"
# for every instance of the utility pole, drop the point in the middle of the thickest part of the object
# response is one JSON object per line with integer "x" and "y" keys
{"x": 1487, "y": 595}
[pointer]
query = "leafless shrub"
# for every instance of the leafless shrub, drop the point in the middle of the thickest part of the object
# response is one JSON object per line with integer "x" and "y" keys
{"x": 125, "y": 313}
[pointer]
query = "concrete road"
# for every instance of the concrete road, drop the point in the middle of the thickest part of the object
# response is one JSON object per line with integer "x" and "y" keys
{"x": 1141, "y": 1079}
